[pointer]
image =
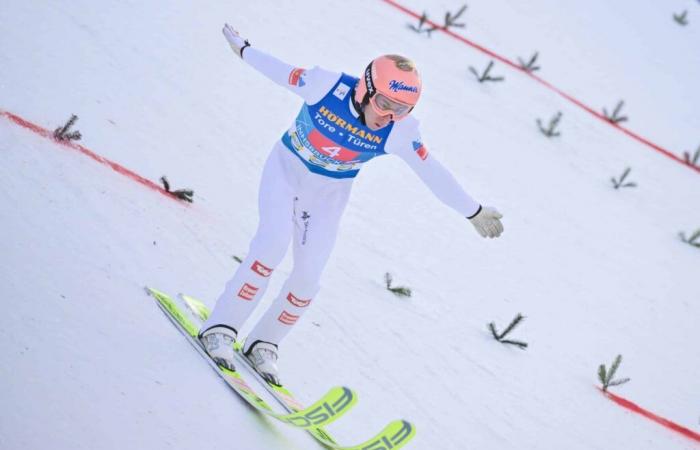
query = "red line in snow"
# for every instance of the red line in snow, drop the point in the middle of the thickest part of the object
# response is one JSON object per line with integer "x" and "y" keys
{"x": 650, "y": 415}
{"x": 87, "y": 152}
{"x": 576, "y": 102}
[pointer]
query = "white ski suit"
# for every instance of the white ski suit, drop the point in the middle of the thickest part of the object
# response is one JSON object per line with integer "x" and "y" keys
{"x": 305, "y": 186}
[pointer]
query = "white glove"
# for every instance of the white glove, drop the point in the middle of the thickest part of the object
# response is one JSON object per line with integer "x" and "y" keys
{"x": 487, "y": 222}
{"x": 235, "y": 40}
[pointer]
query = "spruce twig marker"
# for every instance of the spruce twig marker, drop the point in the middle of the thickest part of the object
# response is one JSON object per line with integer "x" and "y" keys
{"x": 615, "y": 118}
{"x": 682, "y": 18}
{"x": 621, "y": 182}
{"x": 692, "y": 161}
{"x": 450, "y": 20}
{"x": 549, "y": 132}
{"x": 182, "y": 194}
{"x": 399, "y": 291}
{"x": 500, "y": 337}
{"x": 530, "y": 65}
{"x": 693, "y": 239}
{"x": 485, "y": 76}
{"x": 62, "y": 134}
{"x": 606, "y": 376}
{"x": 419, "y": 29}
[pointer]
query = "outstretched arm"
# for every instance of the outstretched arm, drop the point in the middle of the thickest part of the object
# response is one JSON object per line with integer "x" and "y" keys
{"x": 310, "y": 84}
{"x": 445, "y": 187}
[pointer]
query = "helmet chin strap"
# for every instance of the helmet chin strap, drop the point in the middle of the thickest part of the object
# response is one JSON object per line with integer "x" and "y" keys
{"x": 359, "y": 107}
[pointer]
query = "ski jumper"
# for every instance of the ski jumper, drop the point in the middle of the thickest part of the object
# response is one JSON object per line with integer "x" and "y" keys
{"x": 305, "y": 186}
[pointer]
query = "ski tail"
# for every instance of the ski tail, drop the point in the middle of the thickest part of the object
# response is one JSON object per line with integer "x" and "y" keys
{"x": 394, "y": 436}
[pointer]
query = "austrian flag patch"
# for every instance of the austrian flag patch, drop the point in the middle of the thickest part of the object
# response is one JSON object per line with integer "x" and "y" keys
{"x": 296, "y": 77}
{"x": 261, "y": 269}
{"x": 420, "y": 149}
{"x": 247, "y": 292}
{"x": 288, "y": 318}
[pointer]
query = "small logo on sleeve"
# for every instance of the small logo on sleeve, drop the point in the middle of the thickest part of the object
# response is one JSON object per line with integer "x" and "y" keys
{"x": 420, "y": 149}
{"x": 296, "y": 77}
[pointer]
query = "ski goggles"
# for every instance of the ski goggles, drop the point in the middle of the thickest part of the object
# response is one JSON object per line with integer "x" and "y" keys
{"x": 383, "y": 106}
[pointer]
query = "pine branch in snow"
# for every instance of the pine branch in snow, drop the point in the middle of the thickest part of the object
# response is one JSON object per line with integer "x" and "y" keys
{"x": 615, "y": 117}
{"x": 693, "y": 239}
{"x": 692, "y": 160}
{"x": 500, "y": 336}
{"x": 485, "y": 76}
{"x": 62, "y": 133}
{"x": 182, "y": 194}
{"x": 606, "y": 376}
{"x": 530, "y": 65}
{"x": 166, "y": 184}
{"x": 450, "y": 20}
{"x": 549, "y": 131}
{"x": 399, "y": 291}
{"x": 621, "y": 182}
{"x": 421, "y": 22}
{"x": 682, "y": 18}
{"x": 512, "y": 325}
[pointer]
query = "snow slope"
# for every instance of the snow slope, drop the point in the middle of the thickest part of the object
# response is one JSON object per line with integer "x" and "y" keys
{"x": 87, "y": 360}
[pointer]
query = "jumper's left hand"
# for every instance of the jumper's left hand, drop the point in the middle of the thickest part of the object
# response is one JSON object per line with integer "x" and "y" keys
{"x": 487, "y": 222}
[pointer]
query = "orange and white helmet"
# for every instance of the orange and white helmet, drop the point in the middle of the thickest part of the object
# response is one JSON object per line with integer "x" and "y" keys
{"x": 391, "y": 85}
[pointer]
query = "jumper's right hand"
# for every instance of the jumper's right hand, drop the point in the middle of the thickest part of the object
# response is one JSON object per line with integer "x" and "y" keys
{"x": 235, "y": 40}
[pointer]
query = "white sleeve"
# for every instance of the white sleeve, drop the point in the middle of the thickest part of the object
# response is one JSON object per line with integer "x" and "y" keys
{"x": 311, "y": 85}
{"x": 406, "y": 143}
